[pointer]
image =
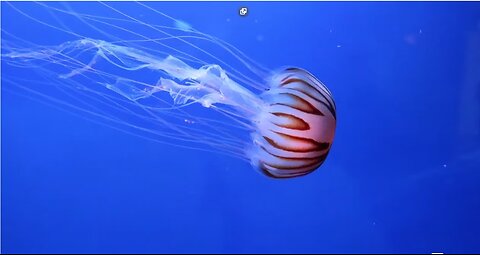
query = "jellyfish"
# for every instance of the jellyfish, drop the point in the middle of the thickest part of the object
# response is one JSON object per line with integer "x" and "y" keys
{"x": 161, "y": 87}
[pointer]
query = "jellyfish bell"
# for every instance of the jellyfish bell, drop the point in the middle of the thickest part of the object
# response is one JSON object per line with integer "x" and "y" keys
{"x": 281, "y": 122}
{"x": 296, "y": 126}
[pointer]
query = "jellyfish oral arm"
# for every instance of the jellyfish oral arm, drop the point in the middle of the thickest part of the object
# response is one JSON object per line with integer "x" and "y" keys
{"x": 210, "y": 85}
{"x": 207, "y": 85}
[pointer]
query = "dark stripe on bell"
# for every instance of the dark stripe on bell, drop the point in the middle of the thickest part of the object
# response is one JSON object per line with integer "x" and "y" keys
{"x": 295, "y": 122}
{"x": 307, "y": 162}
{"x": 266, "y": 172}
{"x": 293, "y": 69}
{"x": 283, "y": 172}
{"x": 292, "y": 158}
{"x": 300, "y": 104}
{"x": 327, "y": 105}
{"x": 316, "y": 146}
{"x": 307, "y": 167}
{"x": 301, "y": 80}
{"x": 330, "y": 107}
{"x": 285, "y": 78}
{"x": 279, "y": 174}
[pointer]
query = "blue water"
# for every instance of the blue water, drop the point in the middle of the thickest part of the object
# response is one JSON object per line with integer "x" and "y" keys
{"x": 402, "y": 175}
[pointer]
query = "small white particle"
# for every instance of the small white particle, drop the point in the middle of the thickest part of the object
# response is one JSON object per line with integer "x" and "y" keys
{"x": 339, "y": 46}
{"x": 445, "y": 165}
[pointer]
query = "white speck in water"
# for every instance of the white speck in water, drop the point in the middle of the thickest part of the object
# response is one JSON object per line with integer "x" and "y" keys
{"x": 445, "y": 165}
{"x": 420, "y": 31}
{"x": 331, "y": 30}
{"x": 260, "y": 38}
{"x": 228, "y": 19}
{"x": 339, "y": 46}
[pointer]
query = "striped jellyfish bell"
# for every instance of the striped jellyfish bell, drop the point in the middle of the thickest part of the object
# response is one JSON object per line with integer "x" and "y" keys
{"x": 296, "y": 127}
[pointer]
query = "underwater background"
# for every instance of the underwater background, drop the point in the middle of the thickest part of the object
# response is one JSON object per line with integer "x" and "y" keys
{"x": 402, "y": 175}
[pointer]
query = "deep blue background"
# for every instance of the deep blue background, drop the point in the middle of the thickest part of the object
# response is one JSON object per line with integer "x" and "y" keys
{"x": 396, "y": 179}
